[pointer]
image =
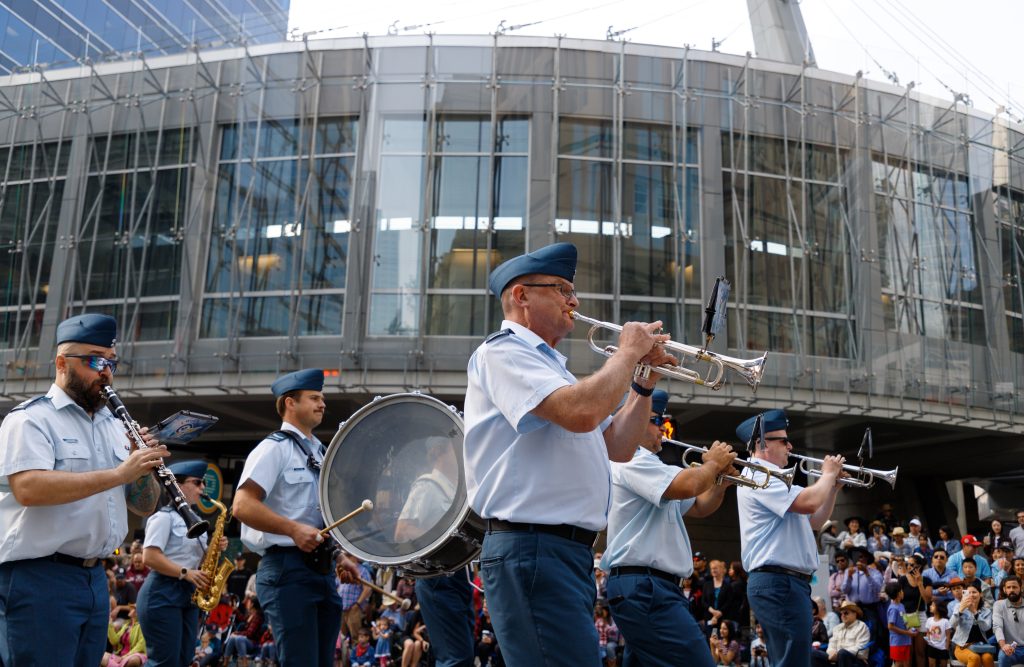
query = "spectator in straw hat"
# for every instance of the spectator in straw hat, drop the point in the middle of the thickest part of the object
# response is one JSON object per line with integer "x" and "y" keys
{"x": 848, "y": 645}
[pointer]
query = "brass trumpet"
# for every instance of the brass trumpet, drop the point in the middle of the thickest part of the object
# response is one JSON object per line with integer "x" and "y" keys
{"x": 786, "y": 475}
{"x": 751, "y": 370}
{"x": 861, "y": 477}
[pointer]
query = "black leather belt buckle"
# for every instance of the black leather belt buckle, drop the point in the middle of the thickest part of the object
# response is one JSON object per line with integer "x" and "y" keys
{"x": 72, "y": 560}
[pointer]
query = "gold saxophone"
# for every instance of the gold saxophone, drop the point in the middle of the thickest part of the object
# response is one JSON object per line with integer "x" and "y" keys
{"x": 207, "y": 598}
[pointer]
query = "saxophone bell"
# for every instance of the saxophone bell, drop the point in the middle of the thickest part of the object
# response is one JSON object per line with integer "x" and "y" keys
{"x": 211, "y": 565}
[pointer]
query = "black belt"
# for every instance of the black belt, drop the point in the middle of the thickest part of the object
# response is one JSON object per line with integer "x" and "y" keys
{"x": 281, "y": 549}
{"x": 638, "y": 569}
{"x": 778, "y": 569}
{"x": 72, "y": 560}
{"x": 569, "y": 532}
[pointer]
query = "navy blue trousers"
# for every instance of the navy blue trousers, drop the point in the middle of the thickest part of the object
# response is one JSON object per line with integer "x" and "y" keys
{"x": 655, "y": 619}
{"x": 447, "y": 607}
{"x": 540, "y": 593}
{"x": 782, "y": 606}
{"x": 52, "y": 614}
{"x": 168, "y": 619}
{"x": 303, "y": 608}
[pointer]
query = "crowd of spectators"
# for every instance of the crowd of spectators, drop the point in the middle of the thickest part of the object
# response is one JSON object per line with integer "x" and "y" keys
{"x": 898, "y": 595}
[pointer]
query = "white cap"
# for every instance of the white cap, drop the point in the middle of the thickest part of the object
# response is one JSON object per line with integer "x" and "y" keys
{"x": 915, "y": 521}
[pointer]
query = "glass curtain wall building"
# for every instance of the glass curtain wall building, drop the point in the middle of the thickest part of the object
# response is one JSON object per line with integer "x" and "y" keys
{"x": 340, "y": 203}
{"x": 51, "y": 34}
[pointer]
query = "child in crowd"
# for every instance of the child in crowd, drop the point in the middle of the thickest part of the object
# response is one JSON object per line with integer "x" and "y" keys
{"x": 900, "y": 638}
{"x": 125, "y": 635}
{"x": 937, "y": 636}
{"x": 363, "y": 654}
{"x": 382, "y": 633}
{"x": 208, "y": 650}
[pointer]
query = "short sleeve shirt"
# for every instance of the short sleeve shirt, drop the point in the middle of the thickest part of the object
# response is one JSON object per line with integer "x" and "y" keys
{"x": 520, "y": 467}
{"x": 769, "y": 533}
{"x": 166, "y": 531}
{"x": 53, "y": 432}
{"x": 279, "y": 468}
{"x": 644, "y": 529}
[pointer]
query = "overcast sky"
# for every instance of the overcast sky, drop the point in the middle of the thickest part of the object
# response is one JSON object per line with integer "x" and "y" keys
{"x": 968, "y": 47}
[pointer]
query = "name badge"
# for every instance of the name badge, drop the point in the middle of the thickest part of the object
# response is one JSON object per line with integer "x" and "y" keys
{"x": 70, "y": 440}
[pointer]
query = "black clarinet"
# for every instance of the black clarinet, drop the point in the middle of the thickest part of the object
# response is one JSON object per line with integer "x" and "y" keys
{"x": 196, "y": 525}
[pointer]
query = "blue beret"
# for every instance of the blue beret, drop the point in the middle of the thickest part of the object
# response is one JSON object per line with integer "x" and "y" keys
{"x": 772, "y": 420}
{"x": 188, "y": 469}
{"x": 557, "y": 259}
{"x": 90, "y": 328}
{"x": 310, "y": 379}
{"x": 659, "y": 401}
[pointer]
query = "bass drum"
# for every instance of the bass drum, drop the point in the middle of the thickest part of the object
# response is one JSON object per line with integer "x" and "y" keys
{"x": 404, "y": 453}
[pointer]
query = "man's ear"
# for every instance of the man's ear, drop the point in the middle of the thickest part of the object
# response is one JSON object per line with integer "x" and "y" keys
{"x": 518, "y": 293}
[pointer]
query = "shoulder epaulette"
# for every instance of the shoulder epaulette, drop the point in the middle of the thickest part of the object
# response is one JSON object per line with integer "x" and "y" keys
{"x": 277, "y": 436}
{"x": 498, "y": 335}
{"x": 25, "y": 404}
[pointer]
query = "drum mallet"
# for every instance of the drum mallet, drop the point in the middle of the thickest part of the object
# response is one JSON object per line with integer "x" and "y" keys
{"x": 404, "y": 601}
{"x": 365, "y": 507}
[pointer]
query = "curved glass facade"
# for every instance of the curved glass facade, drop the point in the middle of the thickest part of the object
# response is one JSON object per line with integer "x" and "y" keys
{"x": 341, "y": 203}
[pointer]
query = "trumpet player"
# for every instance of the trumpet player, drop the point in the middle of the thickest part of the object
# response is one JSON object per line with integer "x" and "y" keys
{"x": 537, "y": 447}
{"x": 649, "y": 550}
{"x": 67, "y": 478}
{"x": 166, "y": 613}
{"x": 777, "y": 541}
{"x": 277, "y": 504}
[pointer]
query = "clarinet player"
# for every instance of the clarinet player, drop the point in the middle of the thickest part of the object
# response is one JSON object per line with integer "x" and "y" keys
{"x": 68, "y": 476}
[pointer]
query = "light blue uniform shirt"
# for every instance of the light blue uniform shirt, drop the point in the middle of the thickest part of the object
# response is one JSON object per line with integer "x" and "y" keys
{"x": 643, "y": 528}
{"x": 55, "y": 433}
{"x": 520, "y": 467}
{"x": 166, "y": 531}
{"x": 769, "y": 533}
{"x": 279, "y": 468}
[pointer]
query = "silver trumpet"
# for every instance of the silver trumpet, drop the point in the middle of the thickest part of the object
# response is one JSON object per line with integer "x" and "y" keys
{"x": 786, "y": 476}
{"x": 750, "y": 369}
{"x": 860, "y": 477}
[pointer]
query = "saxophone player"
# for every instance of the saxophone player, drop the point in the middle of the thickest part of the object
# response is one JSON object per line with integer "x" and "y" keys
{"x": 166, "y": 612}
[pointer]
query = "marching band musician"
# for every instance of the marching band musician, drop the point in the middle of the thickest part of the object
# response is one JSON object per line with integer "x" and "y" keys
{"x": 649, "y": 549}
{"x": 166, "y": 612}
{"x": 277, "y": 504}
{"x": 67, "y": 479}
{"x": 537, "y": 446}
{"x": 777, "y": 544}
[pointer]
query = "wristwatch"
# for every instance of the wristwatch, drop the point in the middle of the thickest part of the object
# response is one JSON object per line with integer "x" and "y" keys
{"x": 183, "y": 573}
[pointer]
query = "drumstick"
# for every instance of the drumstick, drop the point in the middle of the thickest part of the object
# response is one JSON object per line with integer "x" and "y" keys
{"x": 405, "y": 601}
{"x": 366, "y": 506}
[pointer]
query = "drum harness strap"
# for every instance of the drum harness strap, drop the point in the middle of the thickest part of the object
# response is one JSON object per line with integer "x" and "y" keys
{"x": 311, "y": 462}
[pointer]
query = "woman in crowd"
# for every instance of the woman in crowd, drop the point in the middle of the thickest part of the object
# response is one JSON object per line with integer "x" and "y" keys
{"x": 244, "y": 642}
{"x": 724, "y": 648}
{"x": 948, "y": 540}
{"x": 971, "y": 624}
{"x": 738, "y": 579}
{"x": 993, "y": 537}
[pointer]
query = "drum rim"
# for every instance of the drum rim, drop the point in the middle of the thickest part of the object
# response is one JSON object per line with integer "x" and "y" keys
{"x": 378, "y": 403}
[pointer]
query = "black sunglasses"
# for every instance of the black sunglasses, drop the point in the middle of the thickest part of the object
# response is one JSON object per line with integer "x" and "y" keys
{"x": 658, "y": 420}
